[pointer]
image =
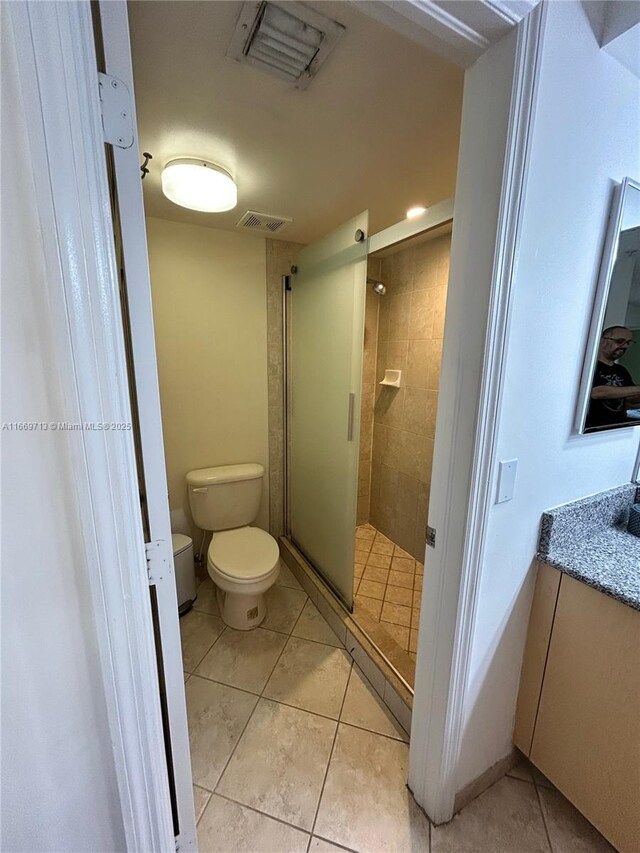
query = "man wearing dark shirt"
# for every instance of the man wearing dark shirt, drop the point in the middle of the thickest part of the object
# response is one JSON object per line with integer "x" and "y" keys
{"x": 613, "y": 388}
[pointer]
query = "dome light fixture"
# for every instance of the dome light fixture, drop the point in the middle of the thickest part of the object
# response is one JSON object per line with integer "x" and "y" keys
{"x": 199, "y": 185}
{"x": 415, "y": 211}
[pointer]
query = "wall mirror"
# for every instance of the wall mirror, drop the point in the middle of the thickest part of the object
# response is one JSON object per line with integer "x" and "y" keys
{"x": 610, "y": 389}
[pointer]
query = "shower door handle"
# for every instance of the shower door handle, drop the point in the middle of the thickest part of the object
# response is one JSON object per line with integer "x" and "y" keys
{"x": 352, "y": 408}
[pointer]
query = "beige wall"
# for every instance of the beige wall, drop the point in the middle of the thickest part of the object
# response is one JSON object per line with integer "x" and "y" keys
{"x": 210, "y": 314}
{"x": 410, "y": 330}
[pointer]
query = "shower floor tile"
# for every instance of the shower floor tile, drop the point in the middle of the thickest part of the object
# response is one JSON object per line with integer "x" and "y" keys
{"x": 389, "y": 590}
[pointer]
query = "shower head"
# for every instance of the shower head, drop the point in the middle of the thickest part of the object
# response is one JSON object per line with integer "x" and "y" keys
{"x": 377, "y": 286}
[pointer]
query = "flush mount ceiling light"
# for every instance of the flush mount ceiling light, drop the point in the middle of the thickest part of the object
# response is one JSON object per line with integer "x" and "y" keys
{"x": 415, "y": 211}
{"x": 199, "y": 185}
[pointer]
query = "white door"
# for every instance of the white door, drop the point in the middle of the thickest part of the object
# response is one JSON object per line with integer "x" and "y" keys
{"x": 131, "y": 243}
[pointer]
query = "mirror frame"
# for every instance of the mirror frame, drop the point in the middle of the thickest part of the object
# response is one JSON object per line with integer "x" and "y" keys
{"x": 609, "y": 255}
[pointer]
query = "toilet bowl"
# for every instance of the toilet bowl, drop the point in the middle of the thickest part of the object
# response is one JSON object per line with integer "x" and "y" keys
{"x": 243, "y": 564}
{"x": 242, "y": 561}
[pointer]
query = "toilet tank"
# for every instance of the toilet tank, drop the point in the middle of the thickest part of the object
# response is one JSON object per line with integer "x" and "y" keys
{"x": 225, "y": 497}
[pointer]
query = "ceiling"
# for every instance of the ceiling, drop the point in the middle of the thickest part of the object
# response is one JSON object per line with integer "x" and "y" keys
{"x": 377, "y": 128}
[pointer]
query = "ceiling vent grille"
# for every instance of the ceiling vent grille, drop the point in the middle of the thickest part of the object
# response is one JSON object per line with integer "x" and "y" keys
{"x": 265, "y": 222}
{"x": 284, "y": 38}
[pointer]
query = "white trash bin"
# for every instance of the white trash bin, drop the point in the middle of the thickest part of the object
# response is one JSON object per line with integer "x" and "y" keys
{"x": 184, "y": 570}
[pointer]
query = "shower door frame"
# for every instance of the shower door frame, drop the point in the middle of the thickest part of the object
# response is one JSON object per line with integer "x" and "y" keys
{"x": 435, "y": 216}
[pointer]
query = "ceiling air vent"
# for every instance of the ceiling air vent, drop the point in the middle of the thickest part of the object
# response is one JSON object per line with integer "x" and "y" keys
{"x": 284, "y": 38}
{"x": 264, "y": 222}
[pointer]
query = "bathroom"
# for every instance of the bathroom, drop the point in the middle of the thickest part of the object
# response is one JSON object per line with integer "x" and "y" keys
{"x": 304, "y": 733}
{"x": 223, "y": 321}
{"x": 233, "y": 334}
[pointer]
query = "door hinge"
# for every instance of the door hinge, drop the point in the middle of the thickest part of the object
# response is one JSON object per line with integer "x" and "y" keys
{"x": 116, "y": 107}
{"x": 157, "y": 560}
{"x": 431, "y": 536}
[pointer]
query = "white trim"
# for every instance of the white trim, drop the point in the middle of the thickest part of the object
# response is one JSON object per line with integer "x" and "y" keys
{"x": 117, "y": 52}
{"x": 443, "y": 655}
{"x": 54, "y": 45}
{"x": 460, "y": 33}
{"x": 436, "y": 215}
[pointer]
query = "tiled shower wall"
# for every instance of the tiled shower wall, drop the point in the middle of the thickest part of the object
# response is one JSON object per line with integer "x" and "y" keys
{"x": 368, "y": 393}
{"x": 410, "y": 330}
{"x": 280, "y": 257}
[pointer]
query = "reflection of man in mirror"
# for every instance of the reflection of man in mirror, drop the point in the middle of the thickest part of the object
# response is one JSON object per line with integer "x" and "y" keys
{"x": 613, "y": 388}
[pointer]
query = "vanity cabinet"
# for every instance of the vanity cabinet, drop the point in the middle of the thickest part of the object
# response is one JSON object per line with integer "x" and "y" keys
{"x": 578, "y": 713}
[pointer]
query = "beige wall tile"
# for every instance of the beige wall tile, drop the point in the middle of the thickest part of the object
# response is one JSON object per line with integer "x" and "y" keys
{"x": 389, "y": 406}
{"x": 439, "y": 302}
{"x": 381, "y": 360}
{"x": 434, "y": 363}
{"x": 399, "y": 313}
{"x": 416, "y": 409}
{"x": 422, "y": 315}
{"x": 432, "y": 410}
{"x": 379, "y": 442}
{"x": 396, "y": 356}
{"x": 410, "y": 328}
{"x": 362, "y": 514}
{"x": 419, "y": 357}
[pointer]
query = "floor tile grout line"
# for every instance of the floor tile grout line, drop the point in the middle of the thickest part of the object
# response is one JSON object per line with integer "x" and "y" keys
{"x": 207, "y": 652}
{"x": 233, "y": 751}
{"x": 263, "y": 814}
{"x": 335, "y": 843}
{"x": 333, "y": 744}
{"x": 282, "y": 652}
{"x": 379, "y": 618}
{"x": 542, "y": 814}
{"x": 253, "y": 710}
{"x": 210, "y": 793}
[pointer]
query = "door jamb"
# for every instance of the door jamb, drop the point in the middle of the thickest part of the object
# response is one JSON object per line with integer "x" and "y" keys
{"x": 443, "y": 664}
{"x": 58, "y": 72}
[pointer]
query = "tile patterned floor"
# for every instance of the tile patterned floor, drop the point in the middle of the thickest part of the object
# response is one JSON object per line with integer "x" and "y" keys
{"x": 293, "y": 752}
{"x": 387, "y": 585}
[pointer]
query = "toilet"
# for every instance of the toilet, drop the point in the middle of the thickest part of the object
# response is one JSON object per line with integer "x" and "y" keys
{"x": 242, "y": 561}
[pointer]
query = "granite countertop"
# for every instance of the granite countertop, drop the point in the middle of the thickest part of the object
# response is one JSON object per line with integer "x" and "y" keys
{"x": 588, "y": 540}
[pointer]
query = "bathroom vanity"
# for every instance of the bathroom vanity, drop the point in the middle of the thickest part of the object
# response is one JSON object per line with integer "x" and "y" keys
{"x": 578, "y": 713}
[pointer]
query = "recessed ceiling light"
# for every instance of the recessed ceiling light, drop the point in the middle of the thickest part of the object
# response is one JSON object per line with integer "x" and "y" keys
{"x": 199, "y": 185}
{"x": 415, "y": 211}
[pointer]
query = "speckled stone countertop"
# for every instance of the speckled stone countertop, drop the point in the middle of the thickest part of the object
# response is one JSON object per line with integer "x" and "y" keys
{"x": 588, "y": 540}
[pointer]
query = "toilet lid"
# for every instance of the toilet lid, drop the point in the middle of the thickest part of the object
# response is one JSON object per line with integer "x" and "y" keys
{"x": 246, "y": 553}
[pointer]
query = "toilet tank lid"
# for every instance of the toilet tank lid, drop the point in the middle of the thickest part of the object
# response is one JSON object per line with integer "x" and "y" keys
{"x": 224, "y": 474}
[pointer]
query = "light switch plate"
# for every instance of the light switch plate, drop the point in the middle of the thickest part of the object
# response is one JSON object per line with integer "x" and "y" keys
{"x": 506, "y": 480}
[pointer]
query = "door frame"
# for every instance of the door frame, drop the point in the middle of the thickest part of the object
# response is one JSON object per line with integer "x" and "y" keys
{"x": 465, "y": 454}
{"x": 59, "y": 82}
{"x": 57, "y": 55}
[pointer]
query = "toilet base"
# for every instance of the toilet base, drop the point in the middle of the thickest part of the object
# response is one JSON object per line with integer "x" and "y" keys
{"x": 242, "y": 612}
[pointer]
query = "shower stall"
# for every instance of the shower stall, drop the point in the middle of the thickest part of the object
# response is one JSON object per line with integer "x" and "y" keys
{"x": 363, "y": 339}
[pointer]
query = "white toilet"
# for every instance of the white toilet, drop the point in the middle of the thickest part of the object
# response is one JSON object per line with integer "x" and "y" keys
{"x": 242, "y": 561}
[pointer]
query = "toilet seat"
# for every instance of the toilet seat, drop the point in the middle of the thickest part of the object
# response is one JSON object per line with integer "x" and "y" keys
{"x": 243, "y": 555}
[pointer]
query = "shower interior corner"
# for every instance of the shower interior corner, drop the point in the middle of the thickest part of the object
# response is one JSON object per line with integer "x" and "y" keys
{"x": 403, "y": 331}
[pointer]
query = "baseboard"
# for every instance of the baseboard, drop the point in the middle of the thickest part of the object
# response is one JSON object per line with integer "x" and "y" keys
{"x": 485, "y": 780}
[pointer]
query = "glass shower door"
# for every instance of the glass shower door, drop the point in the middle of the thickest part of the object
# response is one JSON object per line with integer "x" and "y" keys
{"x": 325, "y": 379}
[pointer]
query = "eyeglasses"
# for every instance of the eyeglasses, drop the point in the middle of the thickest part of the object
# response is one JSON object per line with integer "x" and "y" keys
{"x": 622, "y": 342}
